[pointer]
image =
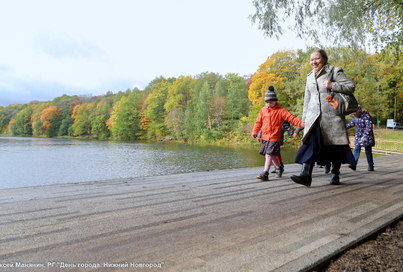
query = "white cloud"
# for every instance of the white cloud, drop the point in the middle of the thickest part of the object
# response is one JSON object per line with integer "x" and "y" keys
{"x": 51, "y": 48}
{"x": 62, "y": 45}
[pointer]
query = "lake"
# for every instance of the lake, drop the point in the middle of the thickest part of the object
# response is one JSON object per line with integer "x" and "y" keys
{"x": 26, "y": 162}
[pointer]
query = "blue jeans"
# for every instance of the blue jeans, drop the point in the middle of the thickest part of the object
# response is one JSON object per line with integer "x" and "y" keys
{"x": 368, "y": 153}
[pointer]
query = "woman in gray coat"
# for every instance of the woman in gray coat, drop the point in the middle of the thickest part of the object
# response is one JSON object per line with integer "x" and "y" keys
{"x": 325, "y": 137}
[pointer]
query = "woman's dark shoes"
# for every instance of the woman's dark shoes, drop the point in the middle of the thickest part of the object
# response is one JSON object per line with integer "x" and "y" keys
{"x": 334, "y": 180}
{"x": 370, "y": 168}
{"x": 352, "y": 167}
{"x": 327, "y": 168}
{"x": 304, "y": 180}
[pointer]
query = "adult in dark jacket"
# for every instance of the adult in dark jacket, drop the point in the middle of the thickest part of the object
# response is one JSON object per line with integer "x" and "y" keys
{"x": 364, "y": 136}
{"x": 325, "y": 136}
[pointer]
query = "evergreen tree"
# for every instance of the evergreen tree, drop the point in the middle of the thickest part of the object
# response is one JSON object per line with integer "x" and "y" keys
{"x": 202, "y": 116}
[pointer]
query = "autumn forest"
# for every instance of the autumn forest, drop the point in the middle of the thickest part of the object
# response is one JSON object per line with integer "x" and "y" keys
{"x": 208, "y": 107}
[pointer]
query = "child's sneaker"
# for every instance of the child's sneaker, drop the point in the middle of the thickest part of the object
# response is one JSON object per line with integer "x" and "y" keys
{"x": 264, "y": 176}
{"x": 279, "y": 172}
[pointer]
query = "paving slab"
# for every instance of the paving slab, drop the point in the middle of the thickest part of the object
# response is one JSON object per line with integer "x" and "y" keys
{"x": 224, "y": 220}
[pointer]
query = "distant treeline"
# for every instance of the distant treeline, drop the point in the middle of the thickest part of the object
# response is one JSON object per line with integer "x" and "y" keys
{"x": 208, "y": 107}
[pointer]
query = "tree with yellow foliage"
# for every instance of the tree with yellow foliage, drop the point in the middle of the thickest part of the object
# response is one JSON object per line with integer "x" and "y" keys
{"x": 51, "y": 120}
{"x": 261, "y": 80}
{"x": 82, "y": 120}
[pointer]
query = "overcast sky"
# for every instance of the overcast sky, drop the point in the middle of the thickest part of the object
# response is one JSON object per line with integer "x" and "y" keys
{"x": 50, "y": 48}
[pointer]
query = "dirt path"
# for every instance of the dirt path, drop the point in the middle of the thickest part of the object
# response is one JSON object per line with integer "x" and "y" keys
{"x": 385, "y": 253}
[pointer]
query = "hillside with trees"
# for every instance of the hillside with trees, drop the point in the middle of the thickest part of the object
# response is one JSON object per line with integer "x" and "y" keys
{"x": 208, "y": 107}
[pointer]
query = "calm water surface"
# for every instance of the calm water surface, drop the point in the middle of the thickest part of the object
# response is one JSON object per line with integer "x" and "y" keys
{"x": 43, "y": 161}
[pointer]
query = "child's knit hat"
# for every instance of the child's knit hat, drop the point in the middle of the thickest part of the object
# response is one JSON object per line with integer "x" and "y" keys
{"x": 270, "y": 95}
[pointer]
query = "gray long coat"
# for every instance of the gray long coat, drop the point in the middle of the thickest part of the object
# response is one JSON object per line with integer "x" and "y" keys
{"x": 316, "y": 106}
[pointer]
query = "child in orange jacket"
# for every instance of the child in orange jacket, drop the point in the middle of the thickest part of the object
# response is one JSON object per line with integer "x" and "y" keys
{"x": 270, "y": 120}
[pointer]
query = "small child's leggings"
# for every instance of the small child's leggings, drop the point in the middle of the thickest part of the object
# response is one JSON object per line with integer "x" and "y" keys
{"x": 269, "y": 159}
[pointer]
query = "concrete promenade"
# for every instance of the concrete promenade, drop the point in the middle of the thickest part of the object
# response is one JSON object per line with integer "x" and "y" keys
{"x": 223, "y": 220}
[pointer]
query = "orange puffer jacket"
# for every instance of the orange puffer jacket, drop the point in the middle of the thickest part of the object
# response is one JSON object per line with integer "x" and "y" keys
{"x": 270, "y": 121}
